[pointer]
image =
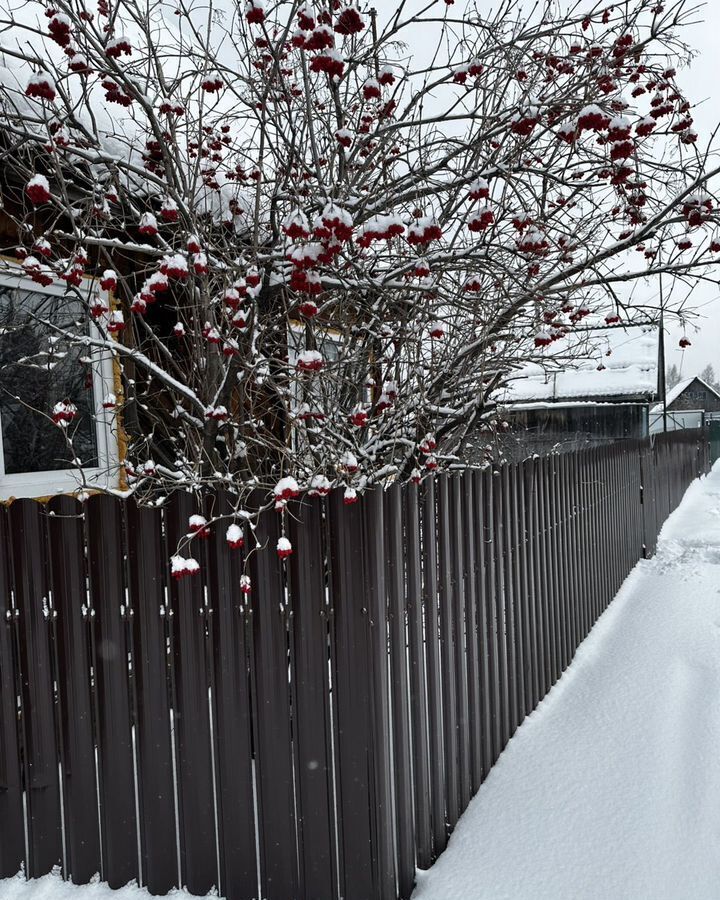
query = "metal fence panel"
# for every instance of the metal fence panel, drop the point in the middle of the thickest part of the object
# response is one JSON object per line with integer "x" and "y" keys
{"x": 319, "y": 737}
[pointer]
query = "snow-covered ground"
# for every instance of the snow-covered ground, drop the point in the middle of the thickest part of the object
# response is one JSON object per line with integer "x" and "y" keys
{"x": 52, "y": 887}
{"x": 611, "y": 789}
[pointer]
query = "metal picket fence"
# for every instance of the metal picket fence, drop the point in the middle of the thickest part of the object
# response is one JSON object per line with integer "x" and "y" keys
{"x": 318, "y": 738}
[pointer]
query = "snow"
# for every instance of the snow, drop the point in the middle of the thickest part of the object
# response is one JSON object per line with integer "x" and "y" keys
{"x": 52, "y": 887}
{"x": 610, "y": 789}
{"x": 630, "y": 369}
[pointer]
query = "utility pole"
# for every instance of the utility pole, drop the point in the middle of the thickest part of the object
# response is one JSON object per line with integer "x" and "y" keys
{"x": 662, "y": 376}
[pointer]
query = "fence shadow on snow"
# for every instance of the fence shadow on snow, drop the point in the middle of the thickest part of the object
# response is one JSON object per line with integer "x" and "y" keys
{"x": 320, "y": 737}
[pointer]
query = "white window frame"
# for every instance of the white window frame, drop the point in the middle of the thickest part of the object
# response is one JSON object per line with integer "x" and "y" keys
{"x": 62, "y": 481}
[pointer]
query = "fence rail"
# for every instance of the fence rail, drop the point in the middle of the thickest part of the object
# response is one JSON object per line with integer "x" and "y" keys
{"x": 319, "y": 738}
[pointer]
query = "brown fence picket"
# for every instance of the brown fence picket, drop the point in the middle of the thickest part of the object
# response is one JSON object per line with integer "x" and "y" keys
{"x": 271, "y": 716}
{"x": 447, "y": 643}
{"x": 459, "y": 615}
{"x": 66, "y": 543}
{"x": 472, "y": 661}
{"x": 527, "y": 661}
{"x": 190, "y": 681}
{"x": 109, "y": 651}
{"x": 494, "y": 634}
{"x": 12, "y": 824}
{"x": 564, "y": 564}
{"x": 499, "y": 593}
{"x": 512, "y": 618}
{"x": 381, "y": 752}
{"x": 147, "y": 569}
{"x": 26, "y": 521}
{"x": 484, "y": 622}
{"x": 534, "y": 578}
{"x": 352, "y": 698}
{"x": 311, "y": 697}
{"x": 434, "y": 667}
{"x": 395, "y": 558}
{"x": 232, "y": 717}
{"x": 418, "y": 679}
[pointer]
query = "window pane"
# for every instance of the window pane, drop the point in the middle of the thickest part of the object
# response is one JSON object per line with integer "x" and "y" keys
{"x": 37, "y": 370}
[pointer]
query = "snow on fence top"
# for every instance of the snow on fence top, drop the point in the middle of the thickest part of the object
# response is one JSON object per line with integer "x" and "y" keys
{"x": 622, "y": 362}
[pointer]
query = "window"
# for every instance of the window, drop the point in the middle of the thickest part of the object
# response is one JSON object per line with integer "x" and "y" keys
{"x": 38, "y": 369}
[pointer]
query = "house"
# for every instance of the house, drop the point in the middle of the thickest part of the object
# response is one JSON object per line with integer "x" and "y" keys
{"x": 41, "y": 375}
{"x": 689, "y": 404}
{"x": 595, "y": 391}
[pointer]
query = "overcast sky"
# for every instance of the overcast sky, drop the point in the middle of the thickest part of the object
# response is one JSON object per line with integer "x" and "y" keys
{"x": 701, "y": 81}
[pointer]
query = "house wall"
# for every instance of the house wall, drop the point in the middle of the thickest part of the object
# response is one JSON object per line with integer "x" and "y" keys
{"x": 564, "y": 428}
{"x": 696, "y": 396}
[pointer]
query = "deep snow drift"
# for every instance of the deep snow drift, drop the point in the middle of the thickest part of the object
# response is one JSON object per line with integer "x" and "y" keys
{"x": 610, "y": 790}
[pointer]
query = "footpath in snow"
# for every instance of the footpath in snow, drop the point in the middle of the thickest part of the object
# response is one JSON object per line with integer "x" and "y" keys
{"x": 610, "y": 790}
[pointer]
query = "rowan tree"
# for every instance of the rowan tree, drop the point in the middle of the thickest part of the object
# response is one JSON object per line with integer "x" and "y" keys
{"x": 329, "y": 234}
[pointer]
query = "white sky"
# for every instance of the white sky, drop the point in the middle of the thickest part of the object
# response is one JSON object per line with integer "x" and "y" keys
{"x": 701, "y": 81}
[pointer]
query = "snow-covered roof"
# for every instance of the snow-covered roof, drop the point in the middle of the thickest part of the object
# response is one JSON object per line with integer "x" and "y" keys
{"x": 618, "y": 362}
{"x": 674, "y": 392}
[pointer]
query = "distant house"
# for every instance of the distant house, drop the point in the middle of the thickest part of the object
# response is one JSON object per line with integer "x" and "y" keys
{"x": 687, "y": 405}
{"x": 570, "y": 404}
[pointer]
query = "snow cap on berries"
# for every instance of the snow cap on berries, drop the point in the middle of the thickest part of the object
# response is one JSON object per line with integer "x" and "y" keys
{"x": 234, "y": 536}
{"x": 181, "y": 566}
{"x": 284, "y": 548}
{"x": 41, "y": 86}
{"x": 38, "y": 189}
{"x": 199, "y": 525}
{"x": 286, "y": 489}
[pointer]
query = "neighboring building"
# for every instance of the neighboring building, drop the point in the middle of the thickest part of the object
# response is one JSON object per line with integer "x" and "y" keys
{"x": 693, "y": 393}
{"x": 579, "y": 403}
{"x": 690, "y": 404}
